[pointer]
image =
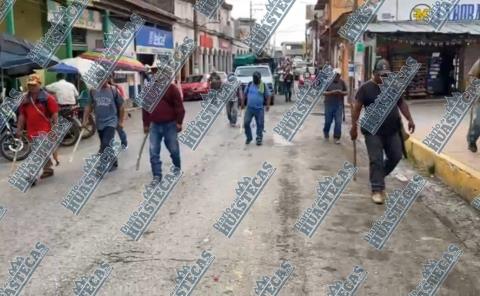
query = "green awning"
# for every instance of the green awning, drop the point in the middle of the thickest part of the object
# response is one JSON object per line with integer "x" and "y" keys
{"x": 245, "y": 59}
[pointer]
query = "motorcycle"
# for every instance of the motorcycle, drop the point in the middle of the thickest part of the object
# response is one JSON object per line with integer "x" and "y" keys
{"x": 10, "y": 145}
{"x": 71, "y": 137}
{"x": 91, "y": 126}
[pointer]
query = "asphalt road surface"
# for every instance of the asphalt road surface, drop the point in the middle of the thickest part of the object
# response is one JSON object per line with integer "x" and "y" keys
{"x": 182, "y": 228}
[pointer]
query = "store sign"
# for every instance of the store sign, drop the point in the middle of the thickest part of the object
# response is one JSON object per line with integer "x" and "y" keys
{"x": 206, "y": 42}
{"x": 225, "y": 44}
{"x": 151, "y": 40}
{"x": 89, "y": 19}
{"x": 414, "y": 10}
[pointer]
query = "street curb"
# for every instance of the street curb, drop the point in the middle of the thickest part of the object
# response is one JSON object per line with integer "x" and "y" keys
{"x": 463, "y": 179}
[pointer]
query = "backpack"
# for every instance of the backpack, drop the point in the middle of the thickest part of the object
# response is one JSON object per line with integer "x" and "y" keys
{"x": 115, "y": 97}
{"x": 264, "y": 92}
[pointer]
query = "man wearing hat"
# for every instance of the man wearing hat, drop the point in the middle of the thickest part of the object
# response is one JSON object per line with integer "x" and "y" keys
{"x": 334, "y": 96}
{"x": 387, "y": 139}
{"x": 38, "y": 113}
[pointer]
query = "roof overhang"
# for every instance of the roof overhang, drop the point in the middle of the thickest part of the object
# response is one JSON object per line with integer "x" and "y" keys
{"x": 470, "y": 28}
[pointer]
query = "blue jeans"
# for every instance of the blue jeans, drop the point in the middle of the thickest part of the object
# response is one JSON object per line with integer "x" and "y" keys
{"x": 106, "y": 136}
{"x": 259, "y": 115}
{"x": 474, "y": 132}
{"x": 123, "y": 136}
{"x": 333, "y": 111}
{"x": 168, "y": 132}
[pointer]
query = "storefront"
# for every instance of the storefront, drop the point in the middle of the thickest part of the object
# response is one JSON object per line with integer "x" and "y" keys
{"x": 445, "y": 57}
{"x": 225, "y": 55}
{"x": 207, "y": 62}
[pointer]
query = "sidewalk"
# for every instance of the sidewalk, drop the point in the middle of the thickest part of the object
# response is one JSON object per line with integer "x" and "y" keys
{"x": 456, "y": 165}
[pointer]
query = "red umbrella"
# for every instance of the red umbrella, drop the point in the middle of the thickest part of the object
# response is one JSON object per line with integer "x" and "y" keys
{"x": 124, "y": 63}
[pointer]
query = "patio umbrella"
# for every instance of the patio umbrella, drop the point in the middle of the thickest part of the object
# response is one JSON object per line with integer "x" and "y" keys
{"x": 82, "y": 65}
{"x": 63, "y": 68}
{"x": 124, "y": 63}
{"x": 13, "y": 57}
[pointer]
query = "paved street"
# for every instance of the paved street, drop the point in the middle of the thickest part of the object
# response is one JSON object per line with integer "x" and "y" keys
{"x": 183, "y": 228}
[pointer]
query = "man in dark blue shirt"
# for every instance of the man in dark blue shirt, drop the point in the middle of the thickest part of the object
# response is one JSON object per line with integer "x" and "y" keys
{"x": 257, "y": 95}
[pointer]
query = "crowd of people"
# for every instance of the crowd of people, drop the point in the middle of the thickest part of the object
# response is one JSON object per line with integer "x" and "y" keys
{"x": 41, "y": 106}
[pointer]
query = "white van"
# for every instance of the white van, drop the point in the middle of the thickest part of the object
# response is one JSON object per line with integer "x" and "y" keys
{"x": 245, "y": 73}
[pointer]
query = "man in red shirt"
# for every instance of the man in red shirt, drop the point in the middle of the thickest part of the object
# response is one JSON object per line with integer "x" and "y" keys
{"x": 38, "y": 112}
{"x": 164, "y": 123}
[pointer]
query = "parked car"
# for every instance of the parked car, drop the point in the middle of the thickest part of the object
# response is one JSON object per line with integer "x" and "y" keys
{"x": 245, "y": 73}
{"x": 196, "y": 85}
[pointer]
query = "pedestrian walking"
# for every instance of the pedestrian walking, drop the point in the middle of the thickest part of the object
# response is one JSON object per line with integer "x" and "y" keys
{"x": 257, "y": 96}
{"x": 334, "y": 102}
{"x": 232, "y": 105}
{"x": 388, "y": 139}
{"x": 474, "y": 130}
{"x": 38, "y": 113}
{"x": 164, "y": 123}
{"x": 288, "y": 82}
{"x": 120, "y": 130}
{"x": 109, "y": 114}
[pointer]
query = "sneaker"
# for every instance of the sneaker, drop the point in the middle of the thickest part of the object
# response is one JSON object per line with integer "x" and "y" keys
{"x": 248, "y": 141}
{"x": 337, "y": 141}
{"x": 259, "y": 142}
{"x": 156, "y": 180}
{"x": 378, "y": 197}
{"x": 46, "y": 174}
{"x": 124, "y": 147}
{"x": 472, "y": 147}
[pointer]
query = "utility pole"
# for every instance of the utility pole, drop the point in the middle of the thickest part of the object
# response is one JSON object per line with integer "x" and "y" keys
{"x": 195, "y": 40}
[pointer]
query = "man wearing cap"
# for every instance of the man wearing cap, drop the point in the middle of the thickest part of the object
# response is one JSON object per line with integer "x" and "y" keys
{"x": 256, "y": 93}
{"x": 474, "y": 130}
{"x": 387, "y": 139}
{"x": 334, "y": 96}
{"x": 38, "y": 113}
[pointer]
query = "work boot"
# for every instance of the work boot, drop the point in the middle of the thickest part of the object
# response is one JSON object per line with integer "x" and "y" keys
{"x": 472, "y": 147}
{"x": 378, "y": 197}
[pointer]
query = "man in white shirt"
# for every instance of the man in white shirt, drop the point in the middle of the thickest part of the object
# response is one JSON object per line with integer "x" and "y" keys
{"x": 65, "y": 92}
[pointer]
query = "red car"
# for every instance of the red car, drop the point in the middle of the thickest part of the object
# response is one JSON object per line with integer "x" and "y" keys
{"x": 196, "y": 85}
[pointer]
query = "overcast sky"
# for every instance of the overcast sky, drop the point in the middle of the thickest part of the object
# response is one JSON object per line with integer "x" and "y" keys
{"x": 292, "y": 27}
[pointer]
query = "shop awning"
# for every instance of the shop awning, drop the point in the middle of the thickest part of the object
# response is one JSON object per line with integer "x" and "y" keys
{"x": 472, "y": 28}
